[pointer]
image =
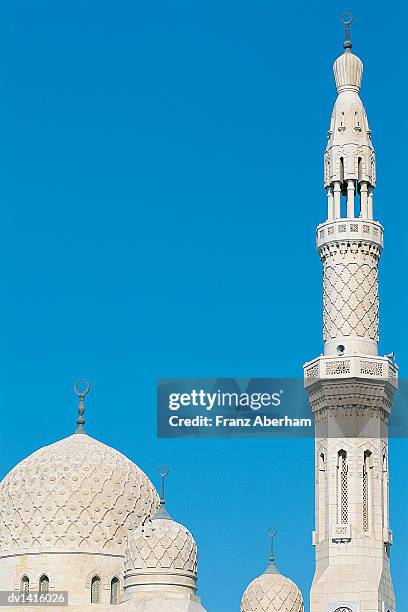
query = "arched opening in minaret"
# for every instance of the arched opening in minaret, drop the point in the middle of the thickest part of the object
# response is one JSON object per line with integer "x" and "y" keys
{"x": 360, "y": 178}
{"x": 343, "y": 191}
{"x": 342, "y": 488}
{"x": 360, "y": 169}
{"x": 385, "y": 490}
{"x": 367, "y": 475}
{"x": 342, "y": 170}
{"x": 321, "y": 501}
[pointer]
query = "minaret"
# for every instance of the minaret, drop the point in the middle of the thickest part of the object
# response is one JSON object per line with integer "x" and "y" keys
{"x": 350, "y": 387}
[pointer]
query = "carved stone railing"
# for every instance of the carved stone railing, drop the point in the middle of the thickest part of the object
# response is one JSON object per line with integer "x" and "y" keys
{"x": 353, "y": 366}
{"x": 350, "y": 229}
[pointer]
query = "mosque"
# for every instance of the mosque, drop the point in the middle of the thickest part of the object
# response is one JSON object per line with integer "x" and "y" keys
{"x": 78, "y": 516}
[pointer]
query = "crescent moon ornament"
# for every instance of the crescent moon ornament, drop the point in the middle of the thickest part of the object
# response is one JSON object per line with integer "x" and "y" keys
{"x": 347, "y": 19}
{"x": 163, "y": 472}
{"x": 81, "y": 388}
{"x": 272, "y": 533}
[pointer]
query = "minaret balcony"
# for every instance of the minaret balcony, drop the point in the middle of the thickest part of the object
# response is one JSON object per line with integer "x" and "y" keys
{"x": 367, "y": 367}
{"x": 350, "y": 230}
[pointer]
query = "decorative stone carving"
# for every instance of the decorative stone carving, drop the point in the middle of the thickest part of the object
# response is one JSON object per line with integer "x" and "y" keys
{"x": 161, "y": 544}
{"x": 348, "y": 71}
{"x": 77, "y": 494}
{"x": 367, "y": 367}
{"x": 272, "y": 593}
{"x": 350, "y": 291}
{"x": 341, "y": 533}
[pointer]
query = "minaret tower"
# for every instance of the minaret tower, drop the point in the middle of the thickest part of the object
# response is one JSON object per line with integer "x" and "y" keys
{"x": 350, "y": 387}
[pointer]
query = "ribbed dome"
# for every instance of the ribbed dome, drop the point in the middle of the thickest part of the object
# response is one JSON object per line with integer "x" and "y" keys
{"x": 272, "y": 592}
{"x": 161, "y": 544}
{"x": 76, "y": 494}
{"x": 348, "y": 71}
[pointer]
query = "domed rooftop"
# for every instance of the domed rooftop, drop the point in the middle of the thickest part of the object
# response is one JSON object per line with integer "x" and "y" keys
{"x": 161, "y": 551}
{"x": 161, "y": 544}
{"x": 348, "y": 72}
{"x": 348, "y": 68}
{"x": 272, "y": 592}
{"x": 75, "y": 494}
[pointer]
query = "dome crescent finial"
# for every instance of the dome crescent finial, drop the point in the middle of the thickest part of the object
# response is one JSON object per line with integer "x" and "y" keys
{"x": 81, "y": 389}
{"x": 272, "y": 534}
{"x": 272, "y": 569}
{"x": 162, "y": 513}
{"x": 163, "y": 472}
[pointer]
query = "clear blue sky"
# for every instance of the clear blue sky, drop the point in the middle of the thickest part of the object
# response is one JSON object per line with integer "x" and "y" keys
{"x": 160, "y": 184}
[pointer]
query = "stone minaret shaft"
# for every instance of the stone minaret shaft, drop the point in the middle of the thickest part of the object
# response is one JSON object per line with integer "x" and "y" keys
{"x": 350, "y": 387}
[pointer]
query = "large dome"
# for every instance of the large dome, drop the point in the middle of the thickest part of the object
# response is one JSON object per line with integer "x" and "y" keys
{"x": 77, "y": 494}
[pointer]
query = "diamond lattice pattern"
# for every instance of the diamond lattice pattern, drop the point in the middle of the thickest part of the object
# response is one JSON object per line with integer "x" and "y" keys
{"x": 350, "y": 299}
{"x": 272, "y": 593}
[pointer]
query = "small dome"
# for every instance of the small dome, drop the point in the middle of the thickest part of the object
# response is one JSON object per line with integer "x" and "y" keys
{"x": 77, "y": 494}
{"x": 161, "y": 546}
{"x": 348, "y": 72}
{"x": 272, "y": 592}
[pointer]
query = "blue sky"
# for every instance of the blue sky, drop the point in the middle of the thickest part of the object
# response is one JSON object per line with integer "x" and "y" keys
{"x": 160, "y": 184}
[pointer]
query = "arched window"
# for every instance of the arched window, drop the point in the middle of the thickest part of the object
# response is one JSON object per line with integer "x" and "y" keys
{"x": 96, "y": 590}
{"x": 114, "y": 591}
{"x": 342, "y": 169}
{"x": 342, "y": 488}
{"x": 343, "y": 610}
{"x": 44, "y": 584}
{"x": 321, "y": 502}
{"x": 357, "y": 122}
{"x": 385, "y": 490}
{"x": 25, "y": 586}
{"x": 366, "y": 490}
{"x": 360, "y": 169}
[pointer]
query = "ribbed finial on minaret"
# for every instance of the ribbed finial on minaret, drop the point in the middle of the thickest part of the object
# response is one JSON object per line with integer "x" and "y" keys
{"x": 347, "y": 20}
{"x": 81, "y": 388}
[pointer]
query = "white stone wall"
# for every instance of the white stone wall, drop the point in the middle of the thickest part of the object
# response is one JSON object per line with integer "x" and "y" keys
{"x": 66, "y": 572}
